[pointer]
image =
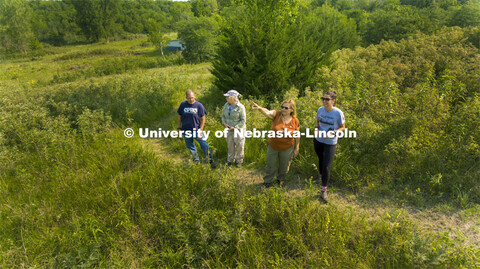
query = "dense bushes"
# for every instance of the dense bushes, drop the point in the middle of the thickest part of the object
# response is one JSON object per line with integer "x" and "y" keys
{"x": 414, "y": 106}
{"x": 75, "y": 192}
{"x": 406, "y": 100}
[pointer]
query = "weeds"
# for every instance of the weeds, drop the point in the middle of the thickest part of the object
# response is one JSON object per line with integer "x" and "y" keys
{"x": 75, "y": 192}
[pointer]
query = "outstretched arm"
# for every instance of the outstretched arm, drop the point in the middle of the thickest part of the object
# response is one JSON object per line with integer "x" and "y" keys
{"x": 268, "y": 113}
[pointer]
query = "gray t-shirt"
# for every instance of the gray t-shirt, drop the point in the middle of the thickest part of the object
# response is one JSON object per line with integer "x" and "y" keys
{"x": 329, "y": 120}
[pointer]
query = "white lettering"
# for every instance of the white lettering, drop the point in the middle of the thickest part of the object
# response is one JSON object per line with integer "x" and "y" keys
{"x": 219, "y": 134}
{"x": 288, "y": 134}
{"x": 285, "y": 133}
{"x": 164, "y": 133}
{"x": 308, "y": 135}
{"x": 190, "y": 110}
{"x": 202, "y": 134}
{"x": 238, "y": 133}
{"x": 352, "y": 134}
{"x": 143, "y": 134}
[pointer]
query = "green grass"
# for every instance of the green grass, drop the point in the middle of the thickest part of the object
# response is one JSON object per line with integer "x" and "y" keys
{"x": 69, "y": 63}
{"x": 74, "y": 192}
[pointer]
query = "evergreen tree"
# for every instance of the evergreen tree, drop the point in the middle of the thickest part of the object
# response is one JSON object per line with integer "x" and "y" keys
{"x": 255, "y": 46}
{"x": 321, "y": 32}
{"x": 268, "y": 46}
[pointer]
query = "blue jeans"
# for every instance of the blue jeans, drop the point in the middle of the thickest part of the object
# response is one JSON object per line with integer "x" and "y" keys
{"x": 203, "y": 145}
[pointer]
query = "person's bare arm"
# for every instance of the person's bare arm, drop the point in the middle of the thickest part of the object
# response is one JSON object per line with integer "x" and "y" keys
{"x": 268, "y": 113}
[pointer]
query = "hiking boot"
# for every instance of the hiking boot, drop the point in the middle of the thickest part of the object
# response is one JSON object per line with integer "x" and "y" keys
{"x": 229, "y": 163}
{"x": 268, "y": 184}
{"x": 239, "y": 165}
{"x": 213, "y": 165}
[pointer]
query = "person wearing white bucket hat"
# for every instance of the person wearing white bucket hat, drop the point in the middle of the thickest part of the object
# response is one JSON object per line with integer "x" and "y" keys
{"x": 234, "y": 117}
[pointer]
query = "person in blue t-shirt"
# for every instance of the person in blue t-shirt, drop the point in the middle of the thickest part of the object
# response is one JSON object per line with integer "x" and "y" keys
{"x": 191, "y": 117}
{"x": 329, "y": 120}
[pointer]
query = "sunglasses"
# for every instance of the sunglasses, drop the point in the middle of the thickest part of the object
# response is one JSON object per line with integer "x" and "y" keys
{"x": 285, "y": 107}
{"x": 326, "y": 99}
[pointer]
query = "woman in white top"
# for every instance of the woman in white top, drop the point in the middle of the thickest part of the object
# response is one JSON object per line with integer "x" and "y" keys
{"x": 330, "y": 120}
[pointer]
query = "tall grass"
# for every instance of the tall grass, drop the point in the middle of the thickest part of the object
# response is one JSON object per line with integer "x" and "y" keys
{"x": 115, "y": 66}
{"x": 74, "y": 192}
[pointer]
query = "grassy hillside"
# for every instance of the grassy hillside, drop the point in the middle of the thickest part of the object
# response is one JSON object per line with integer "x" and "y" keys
{"x": 74, "y": 192}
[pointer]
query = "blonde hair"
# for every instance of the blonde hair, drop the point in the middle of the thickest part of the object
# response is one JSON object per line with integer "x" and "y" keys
{"x": 235, "y": 98}
{"x": 291, "y": 104}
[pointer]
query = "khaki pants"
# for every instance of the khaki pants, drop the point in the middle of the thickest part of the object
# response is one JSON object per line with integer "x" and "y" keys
{"x": 235, "y": 147}
{"x": 277, "y": 162}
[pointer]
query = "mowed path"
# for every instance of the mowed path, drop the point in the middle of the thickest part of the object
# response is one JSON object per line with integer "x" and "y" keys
{"x": 462, "y": 225}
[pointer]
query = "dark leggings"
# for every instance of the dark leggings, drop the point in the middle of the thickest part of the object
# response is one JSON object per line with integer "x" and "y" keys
{"x": 325, "y": 155}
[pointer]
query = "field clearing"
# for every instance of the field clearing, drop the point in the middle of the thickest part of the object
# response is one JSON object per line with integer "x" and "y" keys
{"x": 75, "y": 192}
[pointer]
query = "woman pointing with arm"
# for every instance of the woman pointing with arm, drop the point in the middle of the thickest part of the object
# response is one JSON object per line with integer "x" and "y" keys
{"x": 280, "y": 149}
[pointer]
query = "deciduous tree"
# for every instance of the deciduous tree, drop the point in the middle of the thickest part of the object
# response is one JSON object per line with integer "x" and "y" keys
{"x": 199, "y": 36}
{"x": 97, "y": 18}
{"x": 15, "y": 26}
{"x": 156, "y": 36}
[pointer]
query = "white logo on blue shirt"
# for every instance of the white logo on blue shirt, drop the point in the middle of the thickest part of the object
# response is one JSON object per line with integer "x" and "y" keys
{"x": 190, "y": 110}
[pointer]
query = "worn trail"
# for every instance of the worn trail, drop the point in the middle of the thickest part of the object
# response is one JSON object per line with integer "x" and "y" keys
{"x": 461, "y": 225}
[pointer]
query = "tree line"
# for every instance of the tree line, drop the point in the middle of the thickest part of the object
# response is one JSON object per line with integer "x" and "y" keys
{"x": 261, "y": 47}
{"x": 24, "y": 25}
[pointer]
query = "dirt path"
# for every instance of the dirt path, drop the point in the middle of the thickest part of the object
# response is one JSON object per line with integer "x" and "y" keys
{"x": 463, "y": 225}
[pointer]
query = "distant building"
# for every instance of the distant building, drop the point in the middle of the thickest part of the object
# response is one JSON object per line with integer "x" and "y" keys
{"x": 175, "y": 45}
